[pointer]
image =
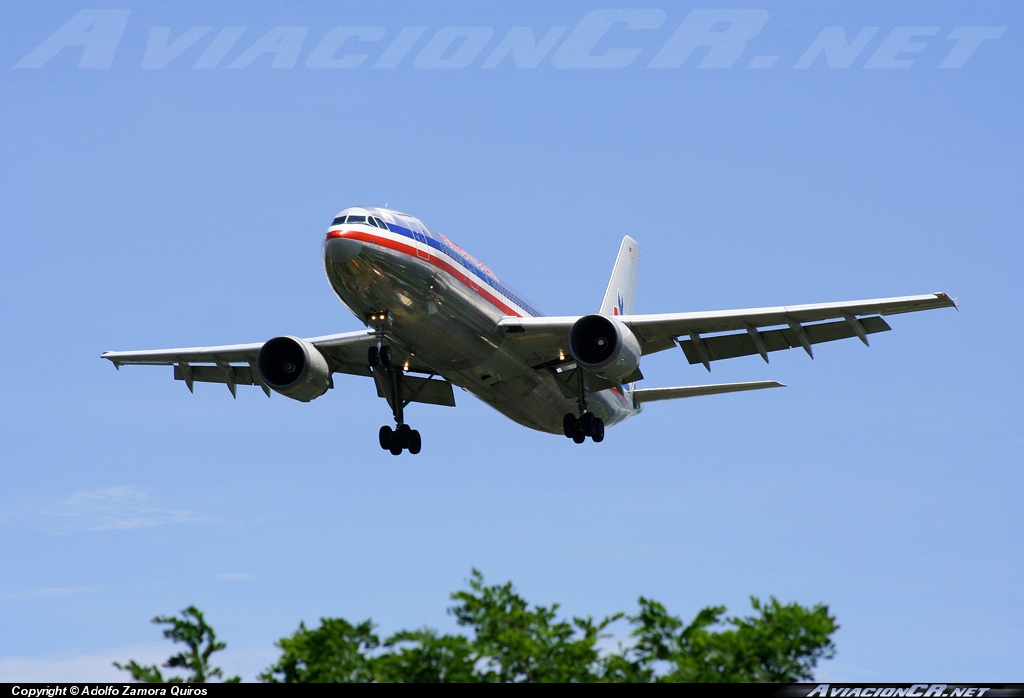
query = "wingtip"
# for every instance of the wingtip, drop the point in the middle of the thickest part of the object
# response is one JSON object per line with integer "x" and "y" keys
{"x": 953, "y": 301}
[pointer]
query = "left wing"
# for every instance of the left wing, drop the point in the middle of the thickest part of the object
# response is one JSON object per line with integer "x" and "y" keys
{"x": 730, "y": 333}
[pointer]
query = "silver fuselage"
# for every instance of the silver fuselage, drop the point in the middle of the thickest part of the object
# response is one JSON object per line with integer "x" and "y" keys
{"x": 444, "y": 308}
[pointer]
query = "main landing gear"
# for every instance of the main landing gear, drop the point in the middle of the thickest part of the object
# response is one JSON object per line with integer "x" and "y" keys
{"x": 380, "y": 358}
{"x": 403, "y": 437}
{"x": 579, "y": 428}
{"x": 587, "y": 424}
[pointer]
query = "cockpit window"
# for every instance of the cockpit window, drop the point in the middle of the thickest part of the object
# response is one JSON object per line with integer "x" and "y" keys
{"x": 368, "y": 220}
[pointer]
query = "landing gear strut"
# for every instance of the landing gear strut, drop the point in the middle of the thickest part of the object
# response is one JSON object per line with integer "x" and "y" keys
{"x": 380, "y": 358}
{"x": 587, "y": 423}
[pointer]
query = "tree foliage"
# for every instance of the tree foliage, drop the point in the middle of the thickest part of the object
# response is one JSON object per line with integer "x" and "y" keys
{"x": 511, "y": 641}
{"x": 191, "y": 630}
{"x": 779, "y": 643}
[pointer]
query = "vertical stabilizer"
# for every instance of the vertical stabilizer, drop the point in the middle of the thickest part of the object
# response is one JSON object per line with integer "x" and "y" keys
{"x": 620, "y": 296}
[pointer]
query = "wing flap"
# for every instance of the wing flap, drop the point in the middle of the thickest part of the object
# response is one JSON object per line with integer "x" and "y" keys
{"x": 414, "y": 389}
{"x": 241, "y": 375}
{"x": 729, "y": 346}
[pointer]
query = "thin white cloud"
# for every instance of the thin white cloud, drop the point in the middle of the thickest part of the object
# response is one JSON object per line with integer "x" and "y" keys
{"x": 234, "y": 576}
{"x": 115, "y": 509}
{"x": 76, "y": 590}
{"x": 66, "y": 667}
{"x": 96, "y": 666}
{"x": 51, "y": 591}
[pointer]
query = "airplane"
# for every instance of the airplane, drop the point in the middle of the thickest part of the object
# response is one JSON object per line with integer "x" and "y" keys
{"x": 436, "y": 317}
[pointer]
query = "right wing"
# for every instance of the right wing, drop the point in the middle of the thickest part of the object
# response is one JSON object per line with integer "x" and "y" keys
{"x": 235, "y": 364}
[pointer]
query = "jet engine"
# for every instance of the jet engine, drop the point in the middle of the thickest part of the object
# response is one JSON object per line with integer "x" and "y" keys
{"x": 604, "y": 346}
{"x": 294, "y": 368}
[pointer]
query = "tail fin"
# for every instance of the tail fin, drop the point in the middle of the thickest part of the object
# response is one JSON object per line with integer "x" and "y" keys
{"x": 620, "y": 296}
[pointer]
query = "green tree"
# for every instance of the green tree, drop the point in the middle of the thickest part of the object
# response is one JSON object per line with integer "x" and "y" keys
{"x": 424, "y": 656}
{"x": 780, "y": 643}
{"x": 516, "y": 642}
{"x": 511, "y": 641}
{"x": 336, "y": 652}
{"x": 191, "y": 629}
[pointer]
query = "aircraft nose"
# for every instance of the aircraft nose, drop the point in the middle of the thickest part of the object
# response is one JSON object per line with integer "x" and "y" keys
{"x": 341, "y": 250}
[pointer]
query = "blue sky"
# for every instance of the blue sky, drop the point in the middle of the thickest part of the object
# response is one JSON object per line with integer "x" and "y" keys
{"x": 151, "y": 202}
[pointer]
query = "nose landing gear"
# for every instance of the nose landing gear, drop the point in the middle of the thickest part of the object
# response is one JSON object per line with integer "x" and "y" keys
{"x": 381, "y": 358}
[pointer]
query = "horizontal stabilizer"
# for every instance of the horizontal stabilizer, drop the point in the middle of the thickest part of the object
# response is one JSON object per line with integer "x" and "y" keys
{"x": 728, "y": 346}
{"x": 643, "y": 395}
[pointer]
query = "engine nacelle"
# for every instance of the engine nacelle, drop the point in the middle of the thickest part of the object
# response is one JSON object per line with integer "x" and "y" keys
{"x": 294, "y": 368}
{"x": 603, "y": 345}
